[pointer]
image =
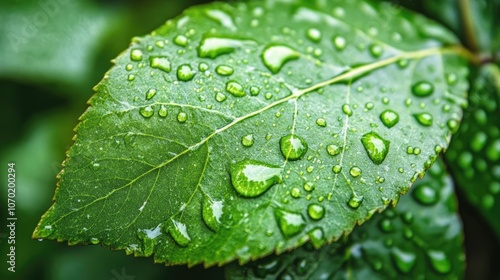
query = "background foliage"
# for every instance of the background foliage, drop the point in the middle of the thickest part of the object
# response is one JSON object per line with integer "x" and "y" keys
{"x": 51, "y": 55}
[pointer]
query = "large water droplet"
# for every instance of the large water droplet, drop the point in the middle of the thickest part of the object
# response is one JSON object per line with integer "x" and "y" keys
{"x": 375, "y": 146}
{"x": 182, "y": 117}
{"x": 293, "y": 147}
{"x": 355, "y": 201}
{"x": 275, "y": 57}
{"x": 289, "y": 223}
{"x": 389, "y": 118}
{"x": 148, "y": 238}
{"x": 422, "y": 89}
{"x": 339, "y": 42}
{"x": 252, "y": 178}
{"x": 160, "y": 62}
{"x": 235, "y": 89}
{"x": 247, "y": 140}
{"x": 424, "y": 119}
{"x": 181, "y": 40}
{"x": 346, "y": 108}
{"x": 355, "y": 171}
{"x": 404, "y": 260}
{"x": 163, "y": 111}
{"x": 426, "y": 195}
{"x": 316, "y": 211}
{"x": 214, "y": 46}
{"x": 439, "y": 261}
{"x": 212, "y": 213}
{"x": 224, "y": 70}
{"x": 136, "y": 55}
{"x": 185, "y": 73}
{"x": 147, "y": 112}
{"x": 179, "y": 233}
{"x": 314, "y": 34}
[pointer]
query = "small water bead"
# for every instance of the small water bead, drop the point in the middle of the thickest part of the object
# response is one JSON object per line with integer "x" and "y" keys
{"x": 212, "y": 212}
{"x": 386, "y": 225}
{"x": 337, "y": 169}
{"x": 150, "y": 93}
{"x": 268, "y": 95}
{"x": 247, "y": 140}
{"x": 494, "y": 187}
{"x": 212, "y": 47}
{"x": 163, "y": 111}
{"x": 222, "y": 18}
{"x": 424, "y": 119}
{"x": 130, "y": 77}
{"x": 369, "y": 105}
{"x": 314, "y": 34}
{"x": 346, "y": 108}
{"x": 179, "y": 233}
{"x": 160, "y": 44}
{"x": 293, "y": 147}
{"x": 405, "y": 261}
{"x": 310, "y": 169}
{"x": 355, "y": 201}
{"x": 316, "y": 211}
{"x": 251, "y": 178}
{"x": 376, "y": 50}
{"x": 290, "y": 223}
{"x": 147, "y": 111}
{"x": 203, "y": 66}
{"x": 389, "y": 118}
{"x": 220, "y": 97}
{"x": 185, "y": 73}
{"x": 224, "y": 70}
{"x": 309, "y": 187}
{"x": 181, "y": 40}
{"x": 478, "y": 141}
{"x": 321, "y": 122}
{"x": 355, "y": 171}
{"x": 439, "y": 261}
{"x": 451, "y": 78}
{"x": 452, "y": 125}
{"x": 333, "y": 150}
{"x": 295, "y": 193}
{"x": 276, "y": 56}
{"x": 422, "y": 89}
{"x": 481, "y": 116}
{"x": 493, "y": 151}
{"x": 254, "y": 91}
{"x": 182, "y": 117}
{"x": 160, "y": 62}
{"x": 302, "y": 266}
{"x": 407, "y": 233}
{"x": 129, "y": 67}
{"x": 339, "y": 42}
{"x": 316, "y": 236}
{"x": 376, "y": 147}
{"x": 235, "y": 89}
{"x": 136, "y": 55}
{"x": 403, "y": 63}
{"x": 488, "y": 201}
{"x": 426, "y": 195}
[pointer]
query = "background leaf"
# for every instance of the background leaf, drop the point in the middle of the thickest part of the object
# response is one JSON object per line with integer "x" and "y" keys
{"x": 196, "y": 107}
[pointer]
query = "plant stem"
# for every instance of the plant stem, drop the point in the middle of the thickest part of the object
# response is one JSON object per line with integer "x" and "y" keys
{"x": 468, "y": 25}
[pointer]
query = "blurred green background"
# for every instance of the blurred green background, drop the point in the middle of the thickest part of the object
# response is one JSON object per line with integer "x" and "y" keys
{"x": 52, "y": 52}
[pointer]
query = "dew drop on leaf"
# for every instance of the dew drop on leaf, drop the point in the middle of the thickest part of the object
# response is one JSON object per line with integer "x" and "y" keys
{"x": 254, "y": 91}
{"x": 424, "y": 119}
{"x": 203, "y": 66}
{"x": 213, "y": 47}
{"x": 333, "y": 150}
{"x": 389, "y": 118}
{"x": 295, "y": 193}
{"x": 136, "y": 55}
{"x": 220, "y": 97}
{"x": 336, "y": 169}
{"x": 275, "y": 57}
{"x": 290, "y": 223}
{"x": 346, "y": 108}
{"x": 314, "y": 34}
{"x": 182, "y": 117}
{"x": 321, "y": 122}
{"x": 316, "y": 211}
{"x": 160, "y": 62}
{"x": 317, "y": 236}
{"x": 147, "y": 111}
{"x": 150, "y": 93}
{"x": 181, "y": 40}
{"x": 426, "y": 195}
{"x": 386, "y": 225}
{"x": 179, "y": 233}
{"x": 163, "y": 111}
{"x": 309, "y": 187}
{"x": 339, "y": 42}
{"x": 375, "y": 146}
{"x": 263, "y": 269}
{"x": 376, "y": 50}
{"x": 185, "y": 73}
{"x": 439, "y": 261}
{"x": 293, "y": 147}
{"x": 212, "y": 213}
{"x": 222, "y": 18}
{"x": 404, "y": 260}
{"x": 247, "y": 140}
{"x": 251, "y": 178}
{"x": 355, "y": 171}
{"x": 302, "y": 266}
{"x": 355, "y": 201}
{"x": 235, "y": 89}
{"x": 422, "y": 89}
{"x": 224, "y": 70}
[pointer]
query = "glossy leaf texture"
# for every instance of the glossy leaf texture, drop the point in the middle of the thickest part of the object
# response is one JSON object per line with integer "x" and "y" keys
{"x": 474, "y": 155}
{"x": 236, "y": 130}
{"x": 420, "y": 239}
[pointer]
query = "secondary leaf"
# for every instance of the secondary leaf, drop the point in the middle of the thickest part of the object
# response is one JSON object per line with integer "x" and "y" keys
{"x": 237, "y": 130}
{"x": 474, "y": 155}
{"x": 420, "y": 239}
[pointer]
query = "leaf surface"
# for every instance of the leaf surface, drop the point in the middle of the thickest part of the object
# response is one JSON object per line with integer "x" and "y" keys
{"x": 237, "y": 130}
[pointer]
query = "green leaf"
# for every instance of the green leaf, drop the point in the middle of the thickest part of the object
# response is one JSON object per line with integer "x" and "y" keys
{"x": 190, "y": 127}
{"x": 474, "y": 155}
{"x": 420, "y": 239}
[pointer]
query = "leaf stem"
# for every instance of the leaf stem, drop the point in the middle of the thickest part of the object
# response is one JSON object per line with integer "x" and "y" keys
{"x": 468, "y": 25}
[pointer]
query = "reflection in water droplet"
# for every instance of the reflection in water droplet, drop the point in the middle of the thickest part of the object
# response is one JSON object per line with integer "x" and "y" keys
{"x": 316, "y": 211}
{"x": 185, "y": 73}
{"x": 252, "y": 178}
{"x": 148, "y": 238}
{"x": 182, "y": 117}
{"x": 293, "y": 147}
{"x": 275, "y": 57}
{"x": 439, "y": 261}
{"x": 424, "y": 119}
{"x": 289, "y": 223}
{"x": 179, "y": 233}
{"x": 389, "y": 118}
{"x": 404, "y": 260}
{"x": 224, "y": 70}
{"x": 422, "y": 89}
{"x": 212, "y": 213}
{"x": 339, "y": 42}
{"x": 235, "y": 89}
{"x": 247, "y": 140}
{"x": 147, "y": 112}
{"x": 426, "y": 195}
{"x": 160, "y": 62}
{"x": 375, "y": 146}
{"x": 355, "y": 201}
{"x": 355, "y": 171}
{"x": 136, "y": 55}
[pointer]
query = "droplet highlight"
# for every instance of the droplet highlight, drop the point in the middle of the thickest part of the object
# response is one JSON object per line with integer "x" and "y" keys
{"x": 389, "y": 118}
{"x": 251, "y": 178}
{"x": 290, "y": 223}
{"x": 422, "y": 89}
{"x": 293, "y": 147}
{"x": 275, "y": 57}
{"x": 376, "y": 147}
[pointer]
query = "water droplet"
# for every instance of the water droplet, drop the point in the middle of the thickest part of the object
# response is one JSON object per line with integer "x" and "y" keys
{"x": 316, "y": 211}
{"x": 488, "y": 201}
{"x": 389, "y": 118}
{"x": 302, "y": 266}
{"x": 254, "y": 91}
{"x": 130, "y": 77}
{"x": 129, "y": 67}
{"x": 293, "y": 147}
{"x": 355, "y": 171}
{"x": 295, "y": 192}
{"x": 451, "y": 78}
{"x": 148, "y": 238}
{"x": 376, "y": 50}
{"x": 182, "y": 117}
{"x": 321, "y": 122}
{"x": 163, "y": 111}
{"x": 275, "y": 57}
{"x": 333, "y": 150}
{"x": 386, "y": 225}
{"x": 310, "y": 187}
{"x": 252, "y": 178}
{"x": 347, "y": 109}
{"x": 235, "y": 89}
{"x": 147, "y": 112}
{"x": 263, "y": 269}
{"x": 179, "y": 233}
{"x": 316, "y": 236}
{"x": 185, "y": 73}
{"x": 181, "y": 40}
{"x": 404, "y": 260}
{"x": 439, "y": 261}
{"x": 212, "y": 213}
{"x": 289, "y": 223}
{"x": 424, "y": 119}
{"x": 494, "y": 187}
{"x": 493, "y": 151}
{"x": 222, "y": 18}
{"x": 150, "y": 93}
{"x": 247, "y": 140}
{"x": 355, "y": 201}
{"x": 220, "y": 97}
{"x": 203, "y": 67}
{"x": 369, "y": 105}
{"x": 314, "y": 34}
{"x": 422, "y": 89}
{"x": 339, "y": 42}
{"x": 376, "y": 147}
{"x": 310, "y": 169}
{"x": 224, "y": 70}
{"x": 336, "y": 169}
{"x": 403, "y": 63}
{"x": 43, "y": 232}
{"x": 160, "y": 62}
{"x": 213, "y": 47}
{"x": 426, "y": 195}
{"x": 452, "y": 125}
{"x": 136, "y": 55}
{"x": 478, "y": 141}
